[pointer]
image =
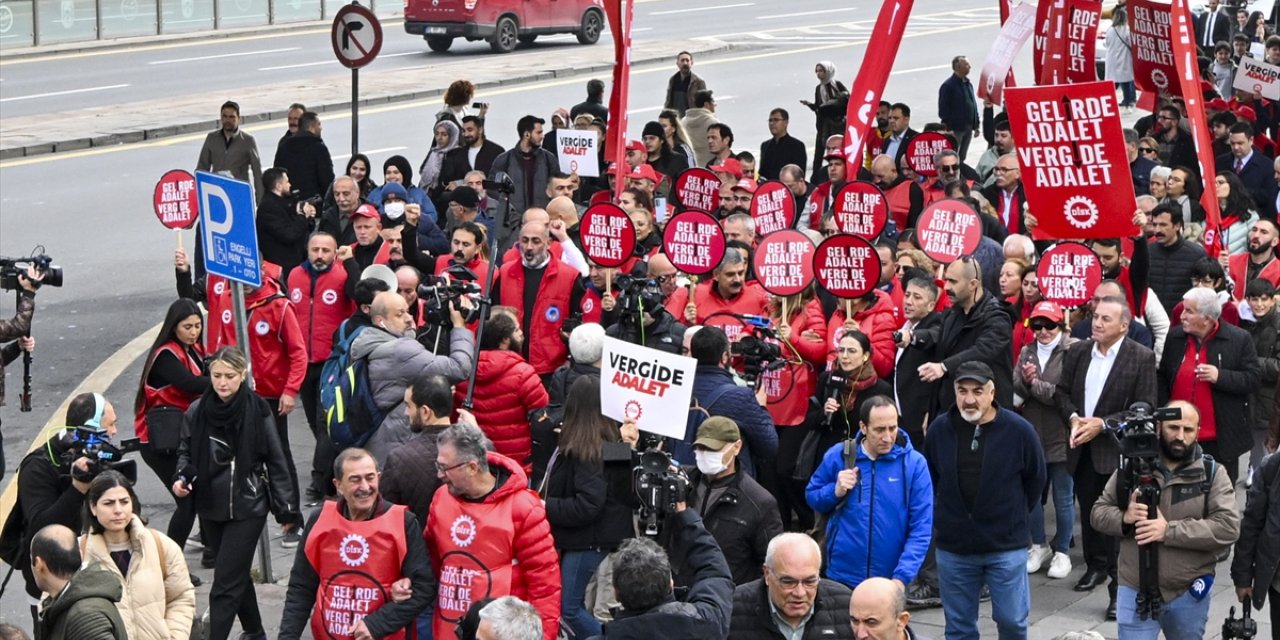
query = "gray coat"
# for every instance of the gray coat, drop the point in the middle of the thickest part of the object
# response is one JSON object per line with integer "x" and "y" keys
{"x": 1041, "y": 408}
{"x": 696, "y": 122}
{"x": 1119, "y": 59}
{"x": 397, "y": 362}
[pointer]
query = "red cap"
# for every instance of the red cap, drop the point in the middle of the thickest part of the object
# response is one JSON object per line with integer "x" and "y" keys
{"x": 1217, "y": 104}
{"x": 366, "y": 211}
{"x": 644, "y": 172}
{"x": 746, "y": 184}
{"x": 730, "y": 166}
{"x": 612, "y": 170}
{"x": 1247, "y": 113}
{"x": 636, "y": 145}
{"x": 1047, "y": 310}
{"x": 835, "y": 155}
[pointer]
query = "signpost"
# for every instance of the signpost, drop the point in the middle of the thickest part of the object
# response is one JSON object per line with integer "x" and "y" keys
{"x": 357, "y": 38}
{"x": 231, "y": 251}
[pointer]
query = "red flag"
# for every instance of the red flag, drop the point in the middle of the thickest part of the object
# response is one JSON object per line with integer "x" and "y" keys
{"x": 1184, "y": 54}
{"x": 864, "y": 95}
{"x": 999, "y": 63}
{"x": 615, "y": 147}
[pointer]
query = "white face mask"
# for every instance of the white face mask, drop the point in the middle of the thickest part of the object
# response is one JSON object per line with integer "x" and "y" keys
{"x": 710, "y": 463}
{"x": 394, "y": 210}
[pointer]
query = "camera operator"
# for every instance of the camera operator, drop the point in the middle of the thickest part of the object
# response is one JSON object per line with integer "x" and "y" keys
{"x": 15, "y": 333}
{"x": 641, "y": 317}
{"x": 1196, "y": 518}
{"x": 53, "y": 479}
{"x": 283, "y": 221}
{"x": 642, "y": 581}
{"x": 715, "y": 391}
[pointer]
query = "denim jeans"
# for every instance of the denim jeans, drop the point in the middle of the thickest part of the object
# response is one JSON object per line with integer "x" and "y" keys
{"x": 1128, "y": 93}
{"x": 1182, "y": 619}
{"x": 1063, "y": 509}
{"x": 576, "y": 569}
{"x": 423, "y": 623}
{"x": 960, "y": 579}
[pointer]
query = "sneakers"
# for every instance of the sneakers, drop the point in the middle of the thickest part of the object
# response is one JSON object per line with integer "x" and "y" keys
{"x": 985, "y": 594}
{"x": 1059, "y": 566}
{"x": 291, "y": 537}
{"x": 922, "y": 596}
{"x": 1037, "y": 556}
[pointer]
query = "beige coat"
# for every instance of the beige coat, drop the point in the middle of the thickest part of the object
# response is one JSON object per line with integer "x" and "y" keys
{"x": 159, "y": 601}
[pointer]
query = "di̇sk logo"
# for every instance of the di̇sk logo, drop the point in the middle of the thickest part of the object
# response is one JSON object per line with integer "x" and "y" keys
{"x": 633, "y": 411}
{"x": 262, "y": 327}
{"x": 220, "y": 287}
{"x": 296, "y": 296}
{"x": 588, "y": 305}
{"x": 1159, "y": 79}
{"x": 329, "y": 296}
{"x": 226, "y": 316}
{"x": 1081, "y": 212}
{"x": 463, "y": 531}
{"x": 553, "y": 313}
{"x": 353, "y": 550}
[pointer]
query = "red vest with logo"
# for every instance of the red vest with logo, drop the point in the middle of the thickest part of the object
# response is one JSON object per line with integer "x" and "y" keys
{"x": 321, "y": 304}
{"x": 547, "y": 350}
{"x": 168, "y": 395}
{"x": 899, "y": 199}
{"x": 217, "y": 299}
{"x": 478, "y": 266}
{"x": 590, "y": 308}
{"x": 275, "y": 339}
{"x": 817, "y": 205}
{"x": 356, "y": 562}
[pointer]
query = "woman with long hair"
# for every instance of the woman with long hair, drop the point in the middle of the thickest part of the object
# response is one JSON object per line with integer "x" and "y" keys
{"x": 1184, "y": 189}
{"x": 158, "y": 600}
{"x": 677, "y": 137}
{"x": 588, "y": 496}
{"x": 445, "y": 136}
{"x": 1119, "y": 59}
{"x": 173, "y": 377}
{"x": 358, "y": 170}
{"x": 1238, "y": 211}
{"x": 1012, "y": 276}
{"x": 836, "y": 418}
{"x": 231, "y": 463}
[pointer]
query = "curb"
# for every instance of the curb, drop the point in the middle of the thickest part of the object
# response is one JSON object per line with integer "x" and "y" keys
{"x": 167, "y": 131}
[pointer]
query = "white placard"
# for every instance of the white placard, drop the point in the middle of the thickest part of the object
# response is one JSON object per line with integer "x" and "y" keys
{"x": 577, "y": 152}
{"x": 1256, "y": 75}
{"x": 653, "y": 388}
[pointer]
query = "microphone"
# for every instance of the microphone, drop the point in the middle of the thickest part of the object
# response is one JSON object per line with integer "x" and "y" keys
{"x": 836, "y": 384}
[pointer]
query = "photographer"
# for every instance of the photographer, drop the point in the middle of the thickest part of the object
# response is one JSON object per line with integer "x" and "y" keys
{"x": 283, "y": 221}
{"x": 641, "y": 318}
{"x": 15, "y": 334}
{"x": 715, "y": 391}
{"x": 53, "y": 479}
{"x": 1196, "y": 518}
{"x": 642, "y": 579}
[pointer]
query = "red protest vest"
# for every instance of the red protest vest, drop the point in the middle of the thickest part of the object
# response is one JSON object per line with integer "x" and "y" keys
{"x": 590, "y": 308}
{"x": 788, "y": 389}
{"x": 168, "y": 395}
{"x": 751, "y": 301}
{"x": 1238, "y": 269}
{"x": 320, "y": 301}
{"x": 478, "y": 266}
{"x": 217, "y": 300}
{"x": 277, "y": 348}
{"x": 899, "y": 199}
{"x": 547, "y": 350}
{"x": 817, "y": 205}
{"x": 356, "y": 561}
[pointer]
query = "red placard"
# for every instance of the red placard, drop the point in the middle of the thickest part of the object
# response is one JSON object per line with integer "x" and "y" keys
{"x": 1047, "y": 14}
{"x": 693, "y": 242}
{"x": 608, "y": 236}
{"x": 1153, "y": 60}
{"x": 923, "y": 149}
{"x": 175, "y": 199}
{"x": 784, "y": 262}
{"x": 1013, "y": 35}
{"x": 860, "y": 209}
{"x": 698, "y": 189}
{"x": 1082, "y": 40}
{"x": 948, "y": 229}
{"x": 1070, "y": 144}
{"x": 846, "y": 266}
{"x": 1068, "y": 273}
{"x": 773, "y": 208}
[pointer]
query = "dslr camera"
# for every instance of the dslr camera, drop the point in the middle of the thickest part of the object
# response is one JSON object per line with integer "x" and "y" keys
{"x": 1243, "y": 627}
{"x": 12, "y": 268}
{"x": 1139, "y": 437}
{"x": 85, "y": 442}
{"x": 660, "y": 485}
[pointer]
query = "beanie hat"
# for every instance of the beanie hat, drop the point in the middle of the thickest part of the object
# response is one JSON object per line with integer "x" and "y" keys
{"x": 652, "y": 128}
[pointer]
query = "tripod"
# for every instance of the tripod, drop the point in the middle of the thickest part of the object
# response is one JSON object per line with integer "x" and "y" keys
{"x": 1140, "y": 475}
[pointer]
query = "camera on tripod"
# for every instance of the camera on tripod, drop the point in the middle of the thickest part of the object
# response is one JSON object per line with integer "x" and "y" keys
{"x": 444, "y": 292}
{"x": 637, "y": 295}
{"x": 759, "y": 349}
{"x": 86, "y": 442}
{"x": 11, "y": 268}
{"x": 1243, "y": 627}
{"x": 660, "y": 485}
{"x": 1139, "y": 436}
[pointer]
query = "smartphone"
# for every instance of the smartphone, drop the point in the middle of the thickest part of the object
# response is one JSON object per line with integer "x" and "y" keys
{"x": 479, "y": 105}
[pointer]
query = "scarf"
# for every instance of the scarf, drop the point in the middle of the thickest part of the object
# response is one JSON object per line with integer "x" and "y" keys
{"x": 429, "y": 172}
{"x": 1197, "y": 392}
{"x": 828, "y": 91}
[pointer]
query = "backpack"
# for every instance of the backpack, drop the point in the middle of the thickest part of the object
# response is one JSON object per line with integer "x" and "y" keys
{"x": 682, "y": 450}
{"x": 346, "y": 398}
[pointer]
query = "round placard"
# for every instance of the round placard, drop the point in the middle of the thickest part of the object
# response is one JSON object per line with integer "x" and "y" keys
{"x": 693, "y": 242}
{"x": 948, "y": 229}
{"x": 846, "y": 266}
{"x": 175, "y": 200}
{"x": 1067, "y": 274}
{"x": 860, "y": 209}
{"x": 608, "y": 236}
{"x": 698, "y": 189}
{"x": 783, "y": 262}
{"x": 773, "y": 208}
{"x": 922, "y": 149}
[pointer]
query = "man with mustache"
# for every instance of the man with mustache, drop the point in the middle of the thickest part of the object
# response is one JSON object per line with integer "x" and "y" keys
{"x": 1171, "y": 256}
{"x": 1195, "y": 518}
{"x": 544, "y": 291}
{"x": 987, "y": 466}
{"x": 350, "y": 544}
{"x": 466, "y": 240}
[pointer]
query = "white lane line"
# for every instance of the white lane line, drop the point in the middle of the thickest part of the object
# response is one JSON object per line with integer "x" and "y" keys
{"x": 370, "y": 152}
{"x": 63, "y": 93}
{"x": 224, "y": 55}
{"x": 803, "y": 13}
{"x": 690, "y": 10}
{"x": 331, "y": 62}
{"x": 660, "y": 108}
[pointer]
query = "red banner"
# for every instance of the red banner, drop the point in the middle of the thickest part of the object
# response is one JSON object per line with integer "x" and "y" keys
{"x": 1184, "y": 49}
{"x": 1082, "y": 40}
{"x": 948, "y": 229}
{"x": 1070, "y": 144}
{"x": 1067, "y": 274}
{"x": 868, "y": 86}
{"x": 1049, "y": 13}
{"x": 619, "y": 13}
{"x": 860, "y": 209}
{"x": 784, "y": 262}
{"x": 846, "y": 266}
{"x": 1150, "y": 29}
{"x": 694, "y": 242}
{"x": 997, "y": 71}
{"x": 608, "y": 235}
{"x": 773, "y": 208}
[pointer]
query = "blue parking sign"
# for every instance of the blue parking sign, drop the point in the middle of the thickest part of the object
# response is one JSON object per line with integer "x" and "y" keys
{"x": 227, "y": 229}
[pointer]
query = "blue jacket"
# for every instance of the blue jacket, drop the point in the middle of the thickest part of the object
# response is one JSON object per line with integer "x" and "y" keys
{"x": 881, "y": 528}
{"x": 957, "y": 104}
{"x": 760, "y": 439}
{"x": 1013, "y": 477}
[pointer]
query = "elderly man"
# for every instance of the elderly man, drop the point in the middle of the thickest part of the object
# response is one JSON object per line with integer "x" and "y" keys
{"x": 509, "y": 618}
{"x": 552, "y": 287}
{"x": 1213, "y": 364}
{"x": 792, "y": 600}
{"x": 878, "y": 611}
{"x": 1006, "y": 194}
{"x": 726, "y": 291}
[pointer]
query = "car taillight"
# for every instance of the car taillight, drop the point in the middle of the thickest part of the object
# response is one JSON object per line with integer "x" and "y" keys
{"x": 469, "y": 5}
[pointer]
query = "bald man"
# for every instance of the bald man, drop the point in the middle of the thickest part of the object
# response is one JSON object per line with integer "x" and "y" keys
{"x": 661, "y": 269}
{"x": 562, "y": 208}
{"x": 906, "y": 198}
{"x": 878, "y": 611}
{"x": 543, "y": 290}
{"x": 791, "y": 597}
{"x": 81, "y": 604}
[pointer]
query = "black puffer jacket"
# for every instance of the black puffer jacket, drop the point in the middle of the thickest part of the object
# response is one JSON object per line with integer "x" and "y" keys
{"x": 1170, "y": 272}
{"x": 985, "y": 334}
{"x": 743, "y": 519}
{"x": 753, "y": 617}
{"x": 589, "y": 506}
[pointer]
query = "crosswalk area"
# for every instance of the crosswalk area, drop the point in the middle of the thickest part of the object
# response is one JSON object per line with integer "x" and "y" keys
{"x": 858, "y": 30}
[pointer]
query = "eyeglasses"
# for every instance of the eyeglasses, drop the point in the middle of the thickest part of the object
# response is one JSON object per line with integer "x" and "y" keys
{"x": 1146, "y": 150}
{"x": 789, "y": 583}
{"x": 948, "y": 168}
{"x": 664, "y": 279}
{"x": 1042, "y": 326}
{"x": 443, "y": 469}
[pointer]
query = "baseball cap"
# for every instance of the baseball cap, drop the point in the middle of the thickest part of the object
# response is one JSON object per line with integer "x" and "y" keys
{"x": 1047, "y": 310}
{"x": 972, "y": 370}
{"x": 636, "y": 145}
{"x": 644, "y": 172}
{"x": 1247, "y": 113}
{"x": 746, "y": 184}
{"x": 366, "y": 211}
{"x": 835, "y": 155}
{"x": 466, "y": 197}
{"x": 612, "y": 170}
{"x": 717, "y": 432}
{"x": 730, "y": 166}
{"x": 1217, "y": 104}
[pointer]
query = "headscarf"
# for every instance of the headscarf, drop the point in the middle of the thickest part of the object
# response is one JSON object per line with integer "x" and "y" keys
{"x": 828, "y": 89}
{"x": 430, "y": 170}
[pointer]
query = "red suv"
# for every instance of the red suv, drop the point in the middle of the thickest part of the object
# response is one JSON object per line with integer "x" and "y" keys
{"x": 504, "y": 23}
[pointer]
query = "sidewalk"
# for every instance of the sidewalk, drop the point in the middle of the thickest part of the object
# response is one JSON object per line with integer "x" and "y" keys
{"x": 150, "y": 120}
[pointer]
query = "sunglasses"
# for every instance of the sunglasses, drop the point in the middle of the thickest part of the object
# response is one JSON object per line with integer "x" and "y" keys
{"x": 948, "y": 168}
{"x": 1042, "y": 326}
{"x": 1146, "y": 150}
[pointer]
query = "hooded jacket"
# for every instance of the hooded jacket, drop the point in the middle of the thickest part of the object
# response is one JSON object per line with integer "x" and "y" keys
{"x": 85, "y": 610}
{"x": 277, "y": 346}
{"x": 394, "y": 364}
{"x": 878, "y": 323}
{"x": 507, "y": 391}
{"x": 158, "y": 601}
{"x": 882, "y": 527}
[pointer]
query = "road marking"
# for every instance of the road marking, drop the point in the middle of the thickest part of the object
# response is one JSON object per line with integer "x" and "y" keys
{"x": 692, "y": 9}
{"x": 98, "y": 381}
{"x": 803, "y": 13}
{"x": 237, "y": 54}
{"x": 63, "y": 93}
{"x": 386, "y": 150}
{"x": 660, "y": 108}
{"x": 333, "y": 62}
